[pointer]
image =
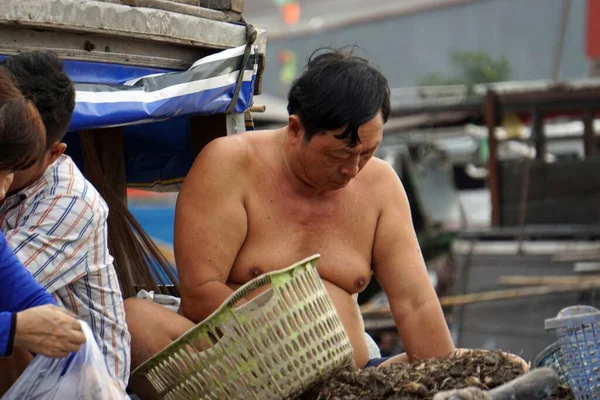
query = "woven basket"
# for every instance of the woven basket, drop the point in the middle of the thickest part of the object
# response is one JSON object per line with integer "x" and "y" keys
{"x": 273, "y": 347}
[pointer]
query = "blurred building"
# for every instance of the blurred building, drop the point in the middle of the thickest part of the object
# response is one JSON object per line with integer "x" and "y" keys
{"x": 593, "y": 36}
{"x": 411, "y": 38}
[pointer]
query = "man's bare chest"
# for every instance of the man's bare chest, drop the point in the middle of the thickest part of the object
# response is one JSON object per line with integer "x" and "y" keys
{"x": 342, "y": 216}
{"x": 282, "y": 231}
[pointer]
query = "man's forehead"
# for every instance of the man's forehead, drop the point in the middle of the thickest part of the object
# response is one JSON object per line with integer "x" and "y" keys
{"x": 369, "y": 136}
{"x": 360, "y": 147}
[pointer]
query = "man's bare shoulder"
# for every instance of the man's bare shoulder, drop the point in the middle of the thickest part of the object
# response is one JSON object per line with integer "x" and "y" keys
{"x": 225, "y": 160}
{"x": 380, "y": 177}
{"x": 233, "y": 149}
{"x": 222, "y": 158}
{"x": 379, "y": 173}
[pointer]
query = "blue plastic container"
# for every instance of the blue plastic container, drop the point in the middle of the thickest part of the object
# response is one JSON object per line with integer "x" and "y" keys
{"x": 578, "y": 330}
{"x": 551, "y": 357}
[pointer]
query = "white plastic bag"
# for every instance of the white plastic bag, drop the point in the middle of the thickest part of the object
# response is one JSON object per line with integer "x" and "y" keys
{"x": 81, "y": 376}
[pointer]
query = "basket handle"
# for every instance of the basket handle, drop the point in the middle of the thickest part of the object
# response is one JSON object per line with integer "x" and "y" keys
{"x": 269, "y": 277}
{"x": 274, "y": 277}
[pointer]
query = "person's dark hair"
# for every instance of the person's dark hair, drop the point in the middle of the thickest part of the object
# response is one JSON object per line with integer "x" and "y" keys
{"x": 338, "y": 90}
{"x": 22, "y": 138}
{"x": 40, "y": 77}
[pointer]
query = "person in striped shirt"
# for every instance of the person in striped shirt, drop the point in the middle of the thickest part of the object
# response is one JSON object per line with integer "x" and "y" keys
{"x": 29, "y": 319}
{"x": 55, "y": 220}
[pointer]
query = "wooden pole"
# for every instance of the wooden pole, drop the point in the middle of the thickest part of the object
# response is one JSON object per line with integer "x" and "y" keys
{"x": 177, "y": 7}
{"x": 110, "y": 147}
{"x": 204, "y": 129}
{"x": 223, "y": 5}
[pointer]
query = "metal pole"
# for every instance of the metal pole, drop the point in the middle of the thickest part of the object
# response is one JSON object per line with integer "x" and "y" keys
{"x": 539, "y": 135}
{"x": 560, "y": 41}
{"x": 589, "y": 136}
{"x": 490, "y": 111}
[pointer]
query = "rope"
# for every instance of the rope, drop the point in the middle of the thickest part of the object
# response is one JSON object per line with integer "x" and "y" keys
{"x": 251, "y": 36}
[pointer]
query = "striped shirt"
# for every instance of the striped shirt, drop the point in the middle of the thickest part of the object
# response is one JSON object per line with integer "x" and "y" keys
{"x": 57, "y": 228}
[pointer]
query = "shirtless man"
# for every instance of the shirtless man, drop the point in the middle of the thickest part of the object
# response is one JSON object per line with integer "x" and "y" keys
{"x": 260, "y": 201}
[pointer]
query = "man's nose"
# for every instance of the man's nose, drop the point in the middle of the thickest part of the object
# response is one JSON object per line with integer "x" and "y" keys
{"x": 350, "y": 170}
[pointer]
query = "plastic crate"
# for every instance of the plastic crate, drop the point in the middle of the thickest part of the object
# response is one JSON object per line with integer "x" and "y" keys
{"x": 578, "y": 330}
{"x": 273, "y": 347}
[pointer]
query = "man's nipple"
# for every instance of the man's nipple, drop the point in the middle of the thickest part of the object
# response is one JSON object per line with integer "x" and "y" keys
{"x": 360, "y": 283}
{"x": 255, "y": 272}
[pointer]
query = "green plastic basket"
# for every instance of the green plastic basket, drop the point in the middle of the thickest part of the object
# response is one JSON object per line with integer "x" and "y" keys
{"x": 273, "y": 347}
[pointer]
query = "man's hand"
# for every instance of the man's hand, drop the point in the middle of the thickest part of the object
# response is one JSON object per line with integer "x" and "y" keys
{"x": 48, "y": 330}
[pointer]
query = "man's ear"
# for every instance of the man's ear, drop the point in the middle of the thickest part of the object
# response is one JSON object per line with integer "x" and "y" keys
{"x": 57, "y": 150}
{"x": 295, "y": 127}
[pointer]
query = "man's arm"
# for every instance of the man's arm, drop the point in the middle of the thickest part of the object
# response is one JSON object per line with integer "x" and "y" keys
{"x": 400, "y": 269}
{"x": 210, "y": 226}
{"x": 51, "y": 240}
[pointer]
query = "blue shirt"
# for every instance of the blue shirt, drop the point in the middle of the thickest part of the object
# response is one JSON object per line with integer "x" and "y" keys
{"x": 18, "y": 292}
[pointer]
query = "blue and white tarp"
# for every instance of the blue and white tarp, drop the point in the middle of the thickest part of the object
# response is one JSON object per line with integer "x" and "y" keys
{"x": 207, "y": 87}
{"x": 154, "y": 106}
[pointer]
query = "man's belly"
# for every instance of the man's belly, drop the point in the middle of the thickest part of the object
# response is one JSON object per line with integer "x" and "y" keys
{"x": 348, "y": 312}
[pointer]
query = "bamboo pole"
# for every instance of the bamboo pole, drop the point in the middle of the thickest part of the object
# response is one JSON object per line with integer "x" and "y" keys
{"x": 505, "y": 294}
{"x": 502, "y": 294}
{"x": 549, "y": 280}
{"x": 581, "y": 255}
{"x": 258, "y": 108}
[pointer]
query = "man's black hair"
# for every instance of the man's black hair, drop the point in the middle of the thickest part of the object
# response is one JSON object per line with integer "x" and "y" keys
{"x": 338, "y": 90}
{"x": 40, "y": 77}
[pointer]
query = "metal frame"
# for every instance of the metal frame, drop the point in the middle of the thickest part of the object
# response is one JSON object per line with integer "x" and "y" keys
{"x": 583, "y": 101}
{"x": 115, "y": 33}
{"x": 148, "y": 33}
{"x": 535, "y": 100}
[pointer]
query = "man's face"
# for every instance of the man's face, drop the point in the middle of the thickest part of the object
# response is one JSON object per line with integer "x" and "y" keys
{"x": 6, "y": 179}
{"x": 26, "y": 177}
{"x": 331, "y": 163}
